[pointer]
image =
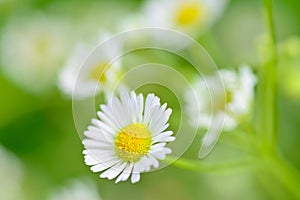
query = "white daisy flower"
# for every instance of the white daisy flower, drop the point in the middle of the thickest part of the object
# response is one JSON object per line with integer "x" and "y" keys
{"x": 221, "y": 100}
{"x": 129, "y": 137}
{"x": 225, "y": 92}
{"x": 189, "y": 16}
{"x": 32, "y": 49}
{"x": 84, "y": 79}
{"x": 76, "y": 190}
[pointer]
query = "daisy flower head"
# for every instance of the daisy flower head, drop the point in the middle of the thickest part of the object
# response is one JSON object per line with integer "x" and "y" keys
{"x": 129, "y": 137}
{"x": 226, "y": 93}
{"x": 32, "y": 49}
{"x": 189, "y": 16}
{"x": 87, "y": 73}
{"x": 221, "y": 100}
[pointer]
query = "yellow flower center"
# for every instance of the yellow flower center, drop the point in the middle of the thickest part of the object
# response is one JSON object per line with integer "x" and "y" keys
{"x": 133, "y": 142}
{"x": 42, "y": 45}
{"x": 188, "y": 13}
{"x": 98, "y": 72}
{"x": 223, "y": 101}
{"x": 228, "y": 97}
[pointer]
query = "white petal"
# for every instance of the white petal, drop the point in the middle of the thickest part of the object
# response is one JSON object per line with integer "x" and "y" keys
{"x": 120, "y": 113}
{"x": 135, "y": 177}
{"x": 140, "y": 107}
{"x": 159, "y": 154}
{"x": 159, "y": 117}
{"x": 151, "y": 101}
{"x": 88, "y": 143}
{"x": 125, "y": 174}
{"x": 157, "y": 147}
{"x": 161, "y": 129}
{"x": 154, "y": 162}
{"x": 99, "y": 136}
{"x": 106, "y": 119}
{"x": 90, "y": 160}
{"x": 102, "y": 166}
{"x": 164, "y": 137}
{"x": 99, "y": 155}
{"x": 103, "y": 126}
{"x": 113, "y": 171}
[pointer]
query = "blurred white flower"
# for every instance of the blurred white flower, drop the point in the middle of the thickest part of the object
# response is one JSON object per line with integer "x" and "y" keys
{"x": 189, "y": 16}
{"x": 76, "y": 190}
{"x": 11, "y": 176}
{"x": 33, "y": 48}
{"x": 217, "y": 103}
{"x": 226, "y": 92}
{"x": 129, "y": 137}
{"x": 83, "y": 78}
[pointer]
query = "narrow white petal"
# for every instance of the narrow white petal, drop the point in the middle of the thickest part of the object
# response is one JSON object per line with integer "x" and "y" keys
{"x": 90, "y": 160}
{"x": 88, "y": 143}
{"x": 101, "y": 136}
{"x": 125, "y": 174}
{"x": 164, "y": 137}
{"x": 135, "y": 177}
{"x": 161, "y": 129}
{"x": 159, "y": 154}
{"x": 151, "y": 101}
{"x": 106, "y": 119}
{"x": 113, "y": 171}
{"x": 154, "y": 162}
{"x": 102, "y": 166}
{"x": 103, "y": 126}
{"x": 157, "y": 147}
{"x": 139, "y": 107}
{"x": 120, "y": 113}
{"x": 99, "y": 155}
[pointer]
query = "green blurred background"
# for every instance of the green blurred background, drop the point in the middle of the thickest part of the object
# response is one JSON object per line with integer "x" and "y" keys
{"x": 37, "y": 128}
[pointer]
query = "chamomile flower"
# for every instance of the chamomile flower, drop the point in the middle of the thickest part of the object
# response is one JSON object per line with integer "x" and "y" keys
{"x": 82, "y": 78}
{"x": 227, "y": 93}
{"x": 129, "y": 137}
{"x": 76, "y": 190}
{"x": 189, "y": 16}
{"x": 33, "y": 48}
{"x": 221, "y": 100}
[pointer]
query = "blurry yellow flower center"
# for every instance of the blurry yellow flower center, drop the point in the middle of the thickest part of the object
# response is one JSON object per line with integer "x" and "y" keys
{"x": 188, "y": 13}
{"x": 228, "y": 96}
{"x": 133, "y": 142}
{"x": 98, "y": 72}
{"x": 42, "y": 45}
{"x": 223, "y": 101}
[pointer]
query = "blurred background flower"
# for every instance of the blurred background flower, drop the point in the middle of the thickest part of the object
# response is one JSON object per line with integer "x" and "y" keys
{"x": 12, "y": 176}
{"x": 33, "y": 48}
{"x": 82, "y": 77}
{"x": 76, "y": 190}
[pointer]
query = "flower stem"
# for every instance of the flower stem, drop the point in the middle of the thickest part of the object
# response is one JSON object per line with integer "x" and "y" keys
{"x": 267, "y": 88}
{"x": 285, "y": 173}
{"x": 192, "y": 165}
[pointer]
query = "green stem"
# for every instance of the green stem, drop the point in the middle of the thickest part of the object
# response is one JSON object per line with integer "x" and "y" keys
{"x": 285, "y": 173}
{"x": 192, "y": 165}
{"x": 267, "y": 89}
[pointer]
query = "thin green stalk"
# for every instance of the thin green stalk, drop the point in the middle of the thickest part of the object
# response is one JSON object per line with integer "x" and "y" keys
{"x": 192, "y": 165}
{"x": 267, "y": 88}
{"x": 285, "y": 173}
